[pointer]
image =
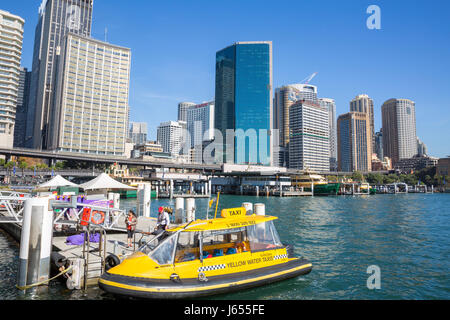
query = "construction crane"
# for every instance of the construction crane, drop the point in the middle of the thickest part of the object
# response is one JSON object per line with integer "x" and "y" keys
{"x": 308, "y": 80}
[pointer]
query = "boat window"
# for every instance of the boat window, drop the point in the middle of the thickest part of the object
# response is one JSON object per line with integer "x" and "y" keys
{"x": 263, "y": 236}
{"x": 163, "y": 253}
{"x": 187, "y": 247}
{"x": 223, "y": 242}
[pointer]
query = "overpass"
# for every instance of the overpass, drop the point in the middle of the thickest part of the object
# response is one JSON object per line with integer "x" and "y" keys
{"x": 52, "y": 156}
{"x": 217, "y": 169}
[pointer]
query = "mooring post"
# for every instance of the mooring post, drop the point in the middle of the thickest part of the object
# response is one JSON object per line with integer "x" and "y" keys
{"x": 35, "y": 242}
{"x": 248, "y": 208}
{"x": 179, "y": 209}
{"x": 190, "y": 209}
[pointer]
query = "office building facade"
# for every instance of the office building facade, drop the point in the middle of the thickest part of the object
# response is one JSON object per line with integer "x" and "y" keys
{"x": 243, "y": 102}
{"x": 330, "y": 105}
{"x": 200, "y": 123}
{"x": 20, "y": 127}
{"x": 138, "y": 132}
{"x": 421, "y": 148}
{"x": 11, "y": 38}
{"x": 309, "y": 137}
{"x": 379, "y": 145}
{"x": 363, "y": 103}
{"x": 56, "y": 19}
{"x": 399, "y": 129}
{"x": 170, "y": 136}
{"x": 354, "y": 142}
{"x": 91, "y": 105}
{"x": 182, "y": 110}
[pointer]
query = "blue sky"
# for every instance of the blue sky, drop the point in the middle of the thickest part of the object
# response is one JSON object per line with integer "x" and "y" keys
{"x": 174, "y": 43}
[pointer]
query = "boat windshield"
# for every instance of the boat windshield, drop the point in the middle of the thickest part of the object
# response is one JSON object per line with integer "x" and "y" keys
{"x": 163, "y": 253}
{"x": 263, "y": 236}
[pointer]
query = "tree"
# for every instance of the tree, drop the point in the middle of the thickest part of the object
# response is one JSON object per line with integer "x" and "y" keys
{"x": 22, "y": 165}
{"x": 391, "y": 178}
{"x": 438, "y": 179}
{"x": 357, "y": 176}
{"x": 374, "y": 178}
{"x": 9, "y": 165}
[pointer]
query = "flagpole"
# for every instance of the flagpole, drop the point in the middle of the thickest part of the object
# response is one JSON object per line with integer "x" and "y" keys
{"x": 217, "y": 203}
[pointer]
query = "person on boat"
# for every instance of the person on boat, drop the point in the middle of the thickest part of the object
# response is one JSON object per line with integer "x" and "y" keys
{"x": 163, "y": 221}
{"x": 131, "y": 222}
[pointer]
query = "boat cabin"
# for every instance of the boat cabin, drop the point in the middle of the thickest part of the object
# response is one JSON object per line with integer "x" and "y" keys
{"x": 209, "y": 239}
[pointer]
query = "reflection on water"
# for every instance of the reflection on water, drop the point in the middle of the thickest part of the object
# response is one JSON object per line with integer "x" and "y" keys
{"x": 407, "y": 236}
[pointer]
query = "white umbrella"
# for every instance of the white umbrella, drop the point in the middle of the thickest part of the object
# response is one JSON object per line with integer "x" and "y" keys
{"x": 58, "y": 181}
{"x": 104, "y": 181}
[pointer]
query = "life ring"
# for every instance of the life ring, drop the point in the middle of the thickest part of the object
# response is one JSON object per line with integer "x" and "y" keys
{"x": 111, "y": 261}
{"x": 98, "y": 217}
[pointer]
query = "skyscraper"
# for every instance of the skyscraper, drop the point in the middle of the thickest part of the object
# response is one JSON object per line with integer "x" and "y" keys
{"x": 309, "y": 134}
{"x": 170, "y": 136}
{"x": 243, "y": 102}
{"x": 11, "y": 36}
{"x": 56, "y": 19}
{"x": 200, "y": 121}
{"x": 363, "y": 103}
{"x": 90, "y": 112}
{"x": 354, "y": 142}
{"x": 182, "y": 110}
{"x": 379, "y": 145}
{"x": 138, "y": 132}
{"x": 399, "y": 129}
{"x": 20, "y": 128}
{"x": 286, "y": 96}
{"x": 330, "y": 105}
{"x": 421, "y": 148}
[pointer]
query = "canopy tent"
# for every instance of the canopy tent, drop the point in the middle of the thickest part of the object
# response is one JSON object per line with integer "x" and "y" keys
{"x": 104, "y": 181}
{"x": 58, "y": 181}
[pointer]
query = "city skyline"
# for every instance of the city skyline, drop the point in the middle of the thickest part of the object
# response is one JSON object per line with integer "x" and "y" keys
{"x": 406, "y": 72}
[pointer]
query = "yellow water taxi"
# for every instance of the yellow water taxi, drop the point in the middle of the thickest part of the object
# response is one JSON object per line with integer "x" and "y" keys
{"x": 206, "y": 257}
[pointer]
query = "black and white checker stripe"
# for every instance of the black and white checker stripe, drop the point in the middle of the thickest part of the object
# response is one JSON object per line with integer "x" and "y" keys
{"x": 213, "y": 267}
{"x": 280, "y": 256}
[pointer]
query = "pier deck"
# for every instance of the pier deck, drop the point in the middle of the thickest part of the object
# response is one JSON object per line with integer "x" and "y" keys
{"x": 75, "y": 252}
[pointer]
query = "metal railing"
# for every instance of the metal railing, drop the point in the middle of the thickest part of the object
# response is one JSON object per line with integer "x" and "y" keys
{"x": 11, "y": 206}
{"x": 71, "y": 215}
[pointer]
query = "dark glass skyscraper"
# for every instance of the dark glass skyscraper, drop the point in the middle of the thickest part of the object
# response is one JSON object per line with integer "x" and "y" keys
{"x": 56, "y": 19}
{"x": 243, "y": 101}
{"x": 22, "y": 108}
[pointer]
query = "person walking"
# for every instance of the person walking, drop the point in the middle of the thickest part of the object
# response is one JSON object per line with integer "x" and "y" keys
{"x": 131, "y": 222}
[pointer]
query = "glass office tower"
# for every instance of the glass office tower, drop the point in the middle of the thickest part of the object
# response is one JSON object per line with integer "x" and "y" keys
{"x": 244, "y": 103}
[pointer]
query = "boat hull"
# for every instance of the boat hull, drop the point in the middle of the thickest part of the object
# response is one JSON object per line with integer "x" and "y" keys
{"x": 329, "y": 189}
{"x": 192, "y": 288}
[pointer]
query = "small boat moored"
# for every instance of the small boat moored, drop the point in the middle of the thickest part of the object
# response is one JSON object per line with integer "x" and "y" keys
{"x": 207, "y": 257}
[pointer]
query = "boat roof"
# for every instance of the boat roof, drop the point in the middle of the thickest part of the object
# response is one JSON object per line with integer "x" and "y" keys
{"x": 224, "y": 223}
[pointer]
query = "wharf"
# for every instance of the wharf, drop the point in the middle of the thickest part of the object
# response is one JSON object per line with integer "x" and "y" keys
{"x": 292, "y": 193}
{"x": 184, "y": 195}
{"x": 95, "y": 257}
{"x": 115, "y": 242}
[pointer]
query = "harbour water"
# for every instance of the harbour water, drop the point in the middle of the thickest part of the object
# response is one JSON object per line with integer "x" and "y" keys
{"x": 407, "y": 236}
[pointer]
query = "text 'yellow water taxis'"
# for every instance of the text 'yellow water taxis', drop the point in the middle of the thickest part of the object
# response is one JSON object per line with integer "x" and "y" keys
{"x": 206, "y": 257}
